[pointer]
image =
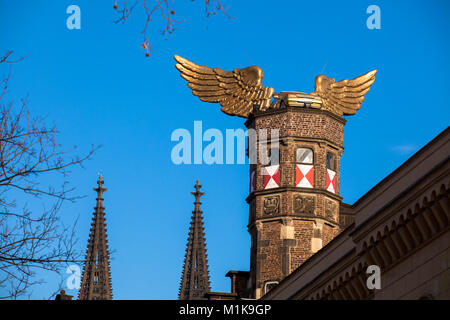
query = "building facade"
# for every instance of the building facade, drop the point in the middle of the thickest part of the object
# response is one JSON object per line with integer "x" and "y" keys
{"x": 307, "y": 244}
{"x": 401, "y": 226}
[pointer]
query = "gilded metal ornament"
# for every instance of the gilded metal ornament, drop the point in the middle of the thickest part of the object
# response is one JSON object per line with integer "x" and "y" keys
{"x": 238, "y": 91}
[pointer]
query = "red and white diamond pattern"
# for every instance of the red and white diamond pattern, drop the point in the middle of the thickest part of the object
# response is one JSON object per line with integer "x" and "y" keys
{"x": 331, "y": 181}
{"x": 304, "y": 176}
{"x": 271, "y": 176}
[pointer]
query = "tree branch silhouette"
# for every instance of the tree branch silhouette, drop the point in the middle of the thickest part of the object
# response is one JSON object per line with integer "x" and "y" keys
{"x": 29, "y": 154}
{"x": 166, "y": 14}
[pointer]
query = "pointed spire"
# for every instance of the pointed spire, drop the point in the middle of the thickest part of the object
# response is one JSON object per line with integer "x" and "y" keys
{"x": 195, "y": 279}
{"x": 96, "y": 279}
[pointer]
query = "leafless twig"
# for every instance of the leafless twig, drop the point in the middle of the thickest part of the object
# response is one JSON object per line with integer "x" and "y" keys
{"x": 31, "y": 240}
{"x": 167, "y": 13}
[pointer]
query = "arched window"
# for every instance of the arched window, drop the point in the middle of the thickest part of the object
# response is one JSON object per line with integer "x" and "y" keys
{"x": 305, "y": 156}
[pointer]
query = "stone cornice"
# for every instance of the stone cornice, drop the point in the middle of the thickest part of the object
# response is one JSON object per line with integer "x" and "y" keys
{"x": 302, "y": 217}
{"x": 292, "y": 189}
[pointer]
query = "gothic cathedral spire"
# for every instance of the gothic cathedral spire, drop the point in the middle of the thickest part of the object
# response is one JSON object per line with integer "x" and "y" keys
{"x": 195, "y": 279}
{"x": 96, "y": 279}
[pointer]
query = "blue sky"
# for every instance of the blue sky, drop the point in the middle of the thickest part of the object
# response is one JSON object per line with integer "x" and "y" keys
{"x": 98, "y": 87}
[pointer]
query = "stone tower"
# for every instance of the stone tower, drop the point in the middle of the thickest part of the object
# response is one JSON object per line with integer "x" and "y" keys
{"x": 96, "y": 279}
{"x": 195, "y": 278}
{"x": 293, "y": 203}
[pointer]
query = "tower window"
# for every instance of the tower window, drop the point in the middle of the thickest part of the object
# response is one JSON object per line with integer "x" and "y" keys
{"x": 274, "y": 156}
{"x": 305, "y": 155}
{"x": 331, "y": 161}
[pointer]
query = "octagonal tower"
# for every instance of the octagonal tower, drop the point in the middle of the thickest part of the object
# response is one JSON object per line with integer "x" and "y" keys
{"x": 293, "y": 204}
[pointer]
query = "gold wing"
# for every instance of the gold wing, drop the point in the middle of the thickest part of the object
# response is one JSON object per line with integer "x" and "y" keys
{"x": 237, "y": 91}
{"x": 343, "y": 97}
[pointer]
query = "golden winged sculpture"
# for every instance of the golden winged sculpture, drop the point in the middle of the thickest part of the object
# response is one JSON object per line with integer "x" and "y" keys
{"x": 238, "y": 91}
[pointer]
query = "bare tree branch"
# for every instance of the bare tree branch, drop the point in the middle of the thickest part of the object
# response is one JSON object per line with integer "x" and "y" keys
{"x": 167, "y": 13}
{"x": 32, "y": 241}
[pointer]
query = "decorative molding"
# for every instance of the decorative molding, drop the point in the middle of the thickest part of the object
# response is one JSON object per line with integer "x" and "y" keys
{"x": 293, "y": 189}
{"x": 388, "y": 244}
